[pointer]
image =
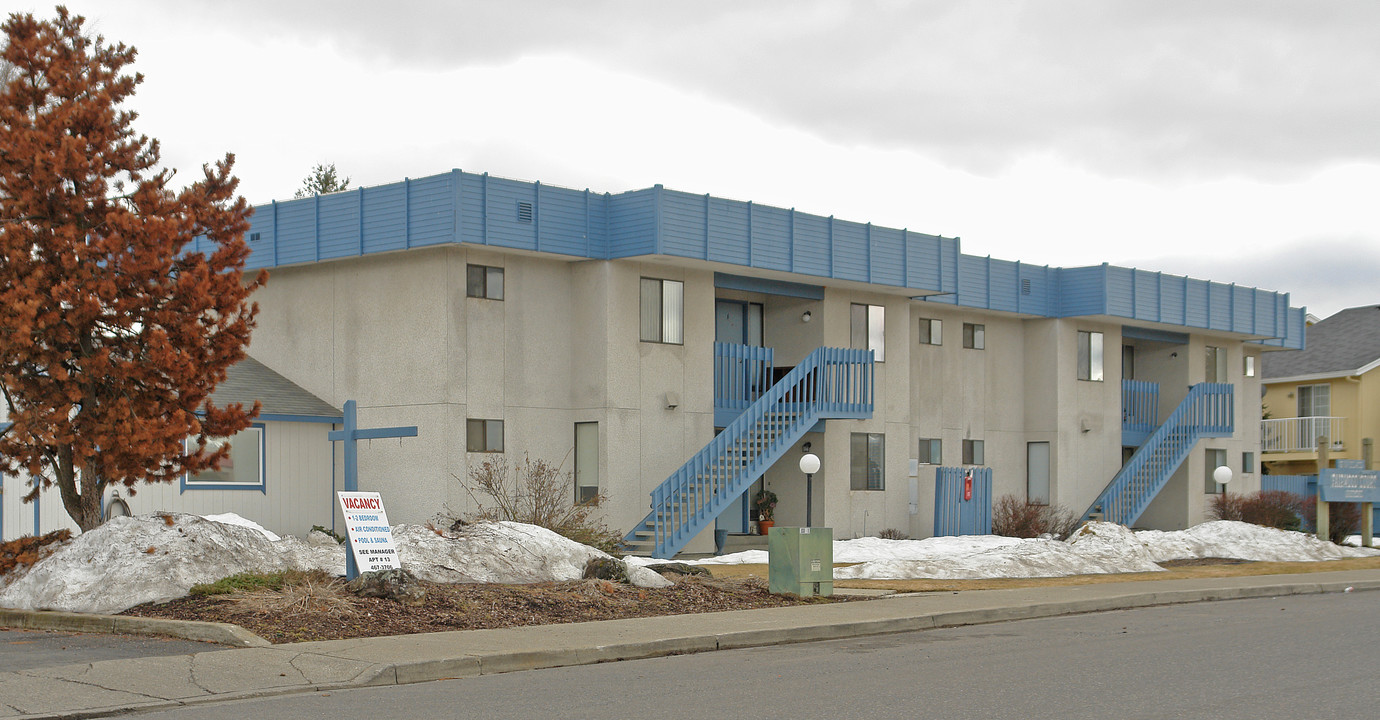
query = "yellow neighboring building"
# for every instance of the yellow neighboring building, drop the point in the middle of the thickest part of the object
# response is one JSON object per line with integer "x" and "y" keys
{"x": 1329, "y": 389}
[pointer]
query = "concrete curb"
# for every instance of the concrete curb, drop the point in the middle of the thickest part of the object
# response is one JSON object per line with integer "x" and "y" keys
{"x": 220, "y": 633}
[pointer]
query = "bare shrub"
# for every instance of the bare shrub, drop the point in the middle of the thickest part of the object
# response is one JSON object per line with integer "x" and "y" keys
{"x": 892, "y": 534}
{"x": 538, "y": 492}
{"x": 1271, "y": 508}
{"x": 1343, "y": 519}
{"x": 1227, "y": 507}
{"x": 1014, "y": 517}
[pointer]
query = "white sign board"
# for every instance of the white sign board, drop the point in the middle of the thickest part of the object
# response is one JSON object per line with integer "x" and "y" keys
{"x": 371, "y": 539}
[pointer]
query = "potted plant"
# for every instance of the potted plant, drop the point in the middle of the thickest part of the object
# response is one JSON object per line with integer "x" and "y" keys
{"x": 764, "y": 502}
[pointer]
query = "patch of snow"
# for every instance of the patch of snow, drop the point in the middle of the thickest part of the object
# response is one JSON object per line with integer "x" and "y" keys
{"x": 233, "y": 519}
{"x": 1229, "y": 539}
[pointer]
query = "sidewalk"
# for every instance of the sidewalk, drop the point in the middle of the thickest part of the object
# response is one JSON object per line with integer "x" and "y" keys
{"x": 95, "y": 689}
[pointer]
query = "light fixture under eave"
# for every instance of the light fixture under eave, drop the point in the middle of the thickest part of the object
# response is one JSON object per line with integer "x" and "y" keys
{"x": 805, "y": 316}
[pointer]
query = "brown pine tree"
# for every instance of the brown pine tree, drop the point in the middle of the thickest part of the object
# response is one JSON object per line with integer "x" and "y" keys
{"x": 113, "y": 332}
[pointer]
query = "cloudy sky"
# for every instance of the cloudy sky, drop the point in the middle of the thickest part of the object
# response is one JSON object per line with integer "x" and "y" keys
{"x": 1236, "y": 141}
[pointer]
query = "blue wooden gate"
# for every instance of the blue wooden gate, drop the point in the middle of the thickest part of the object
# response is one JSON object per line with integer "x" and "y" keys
{"x": 954, "y": 515}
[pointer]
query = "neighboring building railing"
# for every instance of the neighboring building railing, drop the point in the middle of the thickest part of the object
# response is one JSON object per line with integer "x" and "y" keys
{"x": 1140, "y": 403}
{"x": 741, "y": 374}
{"x": 1301, "y": 434}
{"x": 829, "y": 383}
{"x": 1205, "y": 412}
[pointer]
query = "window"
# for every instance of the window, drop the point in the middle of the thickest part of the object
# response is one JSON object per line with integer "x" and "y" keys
{"x": 1037, "y": 473}
{"x": 1248, "y": 462}
{"x": 1216, "y": 458}
{"x": 243, "y": 469}
{"x": 484, "y": 435}
{"x": 930, "y": 452}
{"x": 1089, "y": 356}
{"x": 869, "y": 330}
{"x": 586, "y": 462}
{"x": 663, "y": 311}
{"x": 484, "y": 282}
{"x": 1128, "y": 362}
{"x": 1248, "y": 365}
{"x": 1315, "y": 400}
{"x": 868, "y": 468}
{"x": 931, "y": 331}
{"x": 973, "y": 453}
{"x": 1216, "y": 365}
{"x": 974, "y": 336}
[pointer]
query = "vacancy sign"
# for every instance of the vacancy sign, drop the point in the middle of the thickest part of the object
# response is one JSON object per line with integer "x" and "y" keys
{"x": 366, "y": 523}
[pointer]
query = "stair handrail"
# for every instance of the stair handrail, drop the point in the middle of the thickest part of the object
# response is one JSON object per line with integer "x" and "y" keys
{"x": 804, "y": 393}
{"x": 741, "y": 374}
{"x": 1207, "y": 410}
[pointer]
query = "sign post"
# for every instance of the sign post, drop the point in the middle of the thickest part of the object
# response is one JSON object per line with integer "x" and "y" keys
{"x": 351, "y": 434}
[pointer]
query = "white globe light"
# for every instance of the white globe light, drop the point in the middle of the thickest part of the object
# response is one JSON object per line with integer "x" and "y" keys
{"x": 1222, "y": 474}
{"x": 809, "y": 463}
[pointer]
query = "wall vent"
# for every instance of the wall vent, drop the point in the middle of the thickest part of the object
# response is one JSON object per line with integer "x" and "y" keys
{"x": 1025, "y": 286}
{"x": 524, "y": 212}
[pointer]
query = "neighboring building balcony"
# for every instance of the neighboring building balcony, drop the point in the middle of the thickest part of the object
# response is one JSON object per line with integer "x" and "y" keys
{"x": 1300, "y": 435}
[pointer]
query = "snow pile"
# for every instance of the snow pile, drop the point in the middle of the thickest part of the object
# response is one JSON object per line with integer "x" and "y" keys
{"x": 233, "y": 519}
{"x": 133, "y": 560}
{"x": 501, "y": 552}
{"x": 1227, "y": 539}
{"x": 1095, "y": 548}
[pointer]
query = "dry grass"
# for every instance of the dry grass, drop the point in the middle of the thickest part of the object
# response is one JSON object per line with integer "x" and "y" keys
{"x": 309, "y": 592}
{"x": 1178, "y": 573}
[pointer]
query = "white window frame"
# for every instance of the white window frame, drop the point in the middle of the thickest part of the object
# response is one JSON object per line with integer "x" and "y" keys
{"x": 259, "y": 431}
{"x": 662, "y": 311}
{"x": 484, "y": 282}
{"x": 1090, "y": 356}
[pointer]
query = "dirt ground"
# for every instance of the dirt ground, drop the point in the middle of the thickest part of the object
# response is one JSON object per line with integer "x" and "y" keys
{"x": 324, "y": 610}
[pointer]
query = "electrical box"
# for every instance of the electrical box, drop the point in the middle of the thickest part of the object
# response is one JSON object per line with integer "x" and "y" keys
{"x": 800, "y": 560}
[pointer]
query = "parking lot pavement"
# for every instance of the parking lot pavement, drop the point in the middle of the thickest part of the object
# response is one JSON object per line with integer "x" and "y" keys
{"x": 31, "y": 649}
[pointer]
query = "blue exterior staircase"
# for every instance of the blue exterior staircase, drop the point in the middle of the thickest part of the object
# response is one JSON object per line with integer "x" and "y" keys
{"x": 1207, "y": 411}
{"x": 829, "y": 383}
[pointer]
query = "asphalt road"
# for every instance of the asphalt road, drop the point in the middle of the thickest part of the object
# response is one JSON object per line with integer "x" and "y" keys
{"x": 1303, "y": 656}
{"x": 28, "y": 650}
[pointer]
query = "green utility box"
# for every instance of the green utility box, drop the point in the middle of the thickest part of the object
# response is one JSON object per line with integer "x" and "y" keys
{"x": 800, "y": 560}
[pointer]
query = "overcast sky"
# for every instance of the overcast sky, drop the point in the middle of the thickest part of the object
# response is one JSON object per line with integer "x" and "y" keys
{"x": 1234, "y": 141}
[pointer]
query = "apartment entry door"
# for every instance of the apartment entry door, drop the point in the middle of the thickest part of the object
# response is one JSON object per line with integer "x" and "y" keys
{"x": 741, "y": 323}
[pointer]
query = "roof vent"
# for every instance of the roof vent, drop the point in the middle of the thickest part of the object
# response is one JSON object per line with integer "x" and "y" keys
{"x": 1025, "y": 286}
{"x": 524, "y": 212}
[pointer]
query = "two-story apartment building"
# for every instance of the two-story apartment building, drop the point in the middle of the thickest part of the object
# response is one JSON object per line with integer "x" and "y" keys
{"x": 679, "y": 351}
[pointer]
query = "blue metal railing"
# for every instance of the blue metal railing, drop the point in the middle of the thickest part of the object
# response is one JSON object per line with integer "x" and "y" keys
{"x": 1140, "y": 402}
{"x": 1207, "y": 411}
{"x": 829, "y": 383}
{"x": 741, "y": 374}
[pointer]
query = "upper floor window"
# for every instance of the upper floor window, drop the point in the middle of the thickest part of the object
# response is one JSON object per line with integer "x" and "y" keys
{"x": 1216, "y": 364}
{"x": 1248, "y": 365}
{"x": 930, "y": 452}
{"x": 484, "y": 282}
{"x": 931, "y": 331}
{"x": 484, "y": 435}
{"x": 663, "y": 311}
{"x": 973, "y": 453}
{"x": 1089, "y": 355}
{"x": 974, "y": 336}
{"x": 868, "y": 324}
{"x": 1315, "y": 400}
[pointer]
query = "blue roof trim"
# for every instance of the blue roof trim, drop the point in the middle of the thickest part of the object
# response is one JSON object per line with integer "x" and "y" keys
{"x": 459, "y": 207}
{"x": 768, "y": 287}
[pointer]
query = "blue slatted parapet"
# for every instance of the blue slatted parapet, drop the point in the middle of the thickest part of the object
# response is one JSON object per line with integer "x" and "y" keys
{"x": 829, "y": 383}
{"x": 1301, "y": 485}
{"x": 952, "y": 514}
{"x": 1140, "y": 402}
{"x": 1207, "y": 411}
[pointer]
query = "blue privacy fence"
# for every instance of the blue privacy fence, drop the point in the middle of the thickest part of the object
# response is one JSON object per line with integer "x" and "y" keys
{"x": 962, "y": 501}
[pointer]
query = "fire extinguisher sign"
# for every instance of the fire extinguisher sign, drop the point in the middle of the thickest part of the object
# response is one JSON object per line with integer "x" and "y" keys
{"x": 967, "y": 485}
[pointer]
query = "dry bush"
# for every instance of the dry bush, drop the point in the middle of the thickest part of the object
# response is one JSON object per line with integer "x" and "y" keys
{"x": 1014, "y": 517}
{"x": 1343, "y": 519}
{"x": 892, "y": 534}
{"x": 1271, "y": 508}
{"x": 537, "y": 492}
{"x": 1227, "y": 507}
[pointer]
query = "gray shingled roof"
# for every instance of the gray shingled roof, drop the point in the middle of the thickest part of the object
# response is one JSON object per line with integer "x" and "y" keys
{"x": 1342, "y": 343}
{"x": 250, "y": 380}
